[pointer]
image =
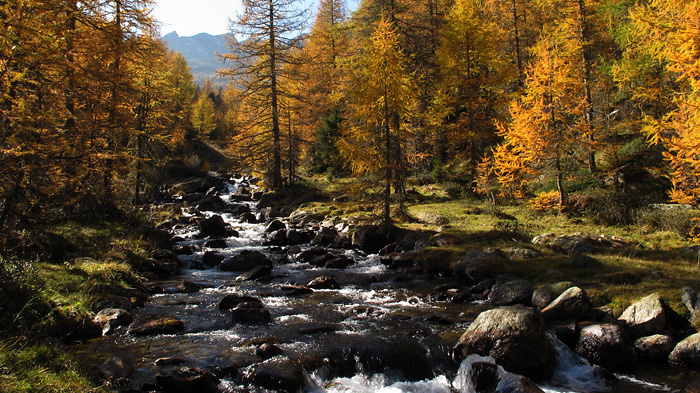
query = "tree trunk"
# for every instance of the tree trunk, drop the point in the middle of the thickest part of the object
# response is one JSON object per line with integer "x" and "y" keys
{"x": 387, "y": 162}
{"x": 585, "y": 59}
{"x": 10, "y": 200}
{"x": 276, "y": 144}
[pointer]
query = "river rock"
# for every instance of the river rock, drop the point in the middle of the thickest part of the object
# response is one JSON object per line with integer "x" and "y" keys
{"x": 267, "y": 351}
{"x": 194, "y": 184}
{"x": 251, "y": 313}
{"x": 514, "y": 383}
{"x": 204, "y": 202}
{"x": 212, "y": 258}
{"x": 546, "y": 293}
{"x": 216, "y": 243}
{"x": 276, "y": 238}
{"x": 512, "y": 292}
{"x": 187, "y": 380}
{"x": 308, "y": 255}
{"x": 213, "y": 226}
{"x": 690, "y": 299}
{"x": 232, "y": 300}
{"x": 296, "y": 237}
{"x": 342, "y": 262}
{"x": 324, "y": 282}
{"x": 248, "y": 218}
{"x": 238, "y": 208}
{"x": 646, "y": 317}
{"x": 399, "y": 260}
{"x": 255, "y": 273}
{"x": 321, "y": 260}
{"x": 606, "y": 345}
{"x": 369, "y": 238}
{"x": 277, "y": 374}
{"x": 275, "y": 225}
{"x": 654, "y": 348}
{"x": 150, "y": 325}
{"x": 515, "y": 337}
{"x": 570, "y": 305}
{"x": 110, "y": 318}
{"x": 476, "y": 265}
{"x": 245, "y": 261}
{"x": 687, "y": 352}
{"x": 183, "y": 249}
{"x": 324, "y": 237}
{"x": 187, "y": 286}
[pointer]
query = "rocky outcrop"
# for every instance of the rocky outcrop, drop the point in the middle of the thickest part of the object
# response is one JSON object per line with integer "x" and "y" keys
{"x": 645, "y": 317}
{"x": 514, "y": 336}
{"x": 581, "y": 243}
{"x": 606, "y": 345}
{"x": 687, "y": 352}
{"x": 572, "y": 304}
{"x": 245, "y": 261}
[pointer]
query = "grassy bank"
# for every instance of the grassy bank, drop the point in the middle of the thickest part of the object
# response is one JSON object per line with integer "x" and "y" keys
{"x": 655, "y": 260}
{"x": 47, "y": 292}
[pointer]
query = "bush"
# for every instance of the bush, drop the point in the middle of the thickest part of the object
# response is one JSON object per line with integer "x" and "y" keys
{"x": 671, "y": 218}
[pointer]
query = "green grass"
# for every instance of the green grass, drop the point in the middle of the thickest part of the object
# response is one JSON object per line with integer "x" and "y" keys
{"x": 41, "y": 368}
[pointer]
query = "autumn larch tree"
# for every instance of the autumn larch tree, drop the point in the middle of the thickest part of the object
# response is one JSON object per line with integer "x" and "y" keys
{"x": 667, "y": 32}
{"x": 546, "y": 121}
{"x": 381, "y": 99}
{"x": 261, "y": 43}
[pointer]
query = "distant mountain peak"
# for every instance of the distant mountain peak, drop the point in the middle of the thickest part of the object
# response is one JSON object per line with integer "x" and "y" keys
{"x": 201, "y": 53}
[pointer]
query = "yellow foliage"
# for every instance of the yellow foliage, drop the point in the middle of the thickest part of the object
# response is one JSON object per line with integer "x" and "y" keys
{"x": 546, "y": 201}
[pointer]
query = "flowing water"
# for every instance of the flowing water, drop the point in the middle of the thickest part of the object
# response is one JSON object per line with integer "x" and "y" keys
{"x": 383, "y": 331}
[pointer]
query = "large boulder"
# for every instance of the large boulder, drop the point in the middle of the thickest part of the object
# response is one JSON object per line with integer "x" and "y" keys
{"x": 514, "y": 383}
{"x": 213, "y": 226}
{"x": 187, "y": 380}
{"x": 275, "y": 225}
{"x": 324, "y": 282}
{"x": 515, "y": 337}
{"x": 245, "y": 261}
{"x": 687, "y": 352}
{"x": 204, "y": 202}
{"x": 548, "y": 292}
{"x": 232, "y": 300}
{"x": 278, "y": 374}
{"x": 646, "y": 317}
{"x": 570, "y": 305}
{"x": 370, "y": 238}
{"x": 149, "y": 326}
{"x": 251, "y": 313}
{"x": 690, "y": 299}
{"x": 255, "y": 273}
{"x": 512, "y": 292}
{"x": 654, "y": 348}
{"x": 606, "y": 345}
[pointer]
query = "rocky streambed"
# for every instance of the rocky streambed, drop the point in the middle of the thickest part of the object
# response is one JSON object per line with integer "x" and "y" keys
{"x": 250, "y": 297}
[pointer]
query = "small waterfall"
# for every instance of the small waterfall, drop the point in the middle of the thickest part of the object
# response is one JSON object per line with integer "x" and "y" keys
{"x": 573, "y": 373}
{"x": 476, "y": 371}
